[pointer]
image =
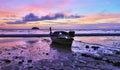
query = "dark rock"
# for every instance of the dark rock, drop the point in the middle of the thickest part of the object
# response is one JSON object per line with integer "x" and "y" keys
{"x": 117, "y": 64}
{"x": 117, "y": 52}
{"x": 47, "y": 53}
{"x": 30, "y": 67}
{"x": 16, "y": 57}
{"x": 97, "y": 58}
{"x": 29, "y": 61}
{"x": 95, "y": 47}
{"x": 86, "y": 46}
{"x": 7, "y": 61}
{"x": 85, "y": 55}
{"x": 108, "y": 61}
{"x": 9, "y": 53}
{"x": 20, "y": 62}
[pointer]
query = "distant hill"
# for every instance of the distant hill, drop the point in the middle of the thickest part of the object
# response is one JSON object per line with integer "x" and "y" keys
{"x": 35, "y": 28}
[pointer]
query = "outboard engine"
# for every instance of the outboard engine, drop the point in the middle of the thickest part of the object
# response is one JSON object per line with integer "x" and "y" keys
{"x": 72, "y": 33}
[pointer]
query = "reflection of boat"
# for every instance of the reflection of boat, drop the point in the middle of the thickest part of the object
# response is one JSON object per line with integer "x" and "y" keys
{"x": 62, "y": 37}
{"x": 63, "y": 48}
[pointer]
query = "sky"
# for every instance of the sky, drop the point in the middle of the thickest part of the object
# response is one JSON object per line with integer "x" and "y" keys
{"x": 78, "y": 14}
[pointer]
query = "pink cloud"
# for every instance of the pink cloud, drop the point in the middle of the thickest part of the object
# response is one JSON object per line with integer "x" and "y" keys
{"x": 47, "y": 6}
{"x": 101, "y": 17}
{"x": 35, "y": 6}
{"x": 51, "y": 3}
{"x": 8, "y": 13}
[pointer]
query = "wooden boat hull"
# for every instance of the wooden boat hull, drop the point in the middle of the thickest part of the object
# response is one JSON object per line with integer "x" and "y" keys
{"x": 63, "y": 41}
{"x": 62, "y": 37}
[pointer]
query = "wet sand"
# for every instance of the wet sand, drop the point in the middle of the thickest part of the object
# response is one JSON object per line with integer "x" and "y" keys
{"x": 42, "y": 54}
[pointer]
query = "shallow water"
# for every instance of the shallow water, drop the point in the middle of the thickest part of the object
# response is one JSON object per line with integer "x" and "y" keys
{"x": 110, "y": 41}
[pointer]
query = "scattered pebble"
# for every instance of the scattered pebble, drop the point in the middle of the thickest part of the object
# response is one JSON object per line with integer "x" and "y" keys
{"x": 95, "y": 47}
{"x": 47, "y": 53}
{"x": 20, "y": 62}
{"x": 86, "y": 46}
{"x": 7, "y": 61}
{"x": 29, "y": 61}
{"x": 117, "y": 64}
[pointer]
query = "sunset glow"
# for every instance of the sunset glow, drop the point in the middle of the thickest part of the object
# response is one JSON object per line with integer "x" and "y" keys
{"x": 59, "y": 13}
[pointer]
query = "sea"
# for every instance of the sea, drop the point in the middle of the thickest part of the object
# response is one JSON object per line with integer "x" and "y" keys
{"x": 85, "y": 53}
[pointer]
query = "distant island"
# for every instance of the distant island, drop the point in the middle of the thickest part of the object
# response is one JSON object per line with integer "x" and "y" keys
{"x": 35, "y": 28}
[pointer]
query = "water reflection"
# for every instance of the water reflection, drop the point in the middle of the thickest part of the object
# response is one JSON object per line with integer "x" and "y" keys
{"x": 110, "y": 41}
{"x": 63, "y": 52}
{"x": 33, "y": 49}
{"x": 60, "y": 47}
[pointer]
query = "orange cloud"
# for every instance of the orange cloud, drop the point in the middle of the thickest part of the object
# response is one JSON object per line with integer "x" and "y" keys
{"x": 8, "y": 13}
{"x": 98, "y": 18}
{"x": 102, "y": 16}
{"x": 34, "y": 6}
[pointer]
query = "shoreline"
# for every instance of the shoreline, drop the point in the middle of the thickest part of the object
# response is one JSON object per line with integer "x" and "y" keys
{"x": 48, "y": 35}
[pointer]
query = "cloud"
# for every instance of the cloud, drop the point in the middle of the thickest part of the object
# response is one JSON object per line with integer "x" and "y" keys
{"x": 59, "y": 16}
{"x": 56, "y": 16}
{"x": 31, "y": 17}
{"x": 85, "y": 19}
{"x": 8, "y": 13}
{"x": 27, "y": 18}
{"x": 75, "y": 16}
{"x": 97, "y": 26}
{"x": 21, "y": 8}
{"x": 101, "y": 18}
{"x": 16, "y": 22}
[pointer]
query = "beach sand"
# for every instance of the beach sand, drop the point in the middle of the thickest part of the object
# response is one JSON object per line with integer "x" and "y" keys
{"x": 40, "y": 54}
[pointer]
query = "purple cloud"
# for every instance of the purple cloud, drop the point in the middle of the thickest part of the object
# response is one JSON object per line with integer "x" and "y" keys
{"x": 16, "y": 22}
{"x": 32, "y": 17}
